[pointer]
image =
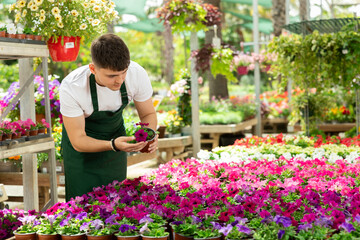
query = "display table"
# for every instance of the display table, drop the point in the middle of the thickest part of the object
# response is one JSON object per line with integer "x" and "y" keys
{"x": 215, "y": 131}
{"x": 274, "y": 125}
{"x": 174, "y": 148}
{"x": 331, "y": 128}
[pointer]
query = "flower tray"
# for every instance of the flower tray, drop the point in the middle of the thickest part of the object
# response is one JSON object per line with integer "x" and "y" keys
{"x": 15, "y": 40}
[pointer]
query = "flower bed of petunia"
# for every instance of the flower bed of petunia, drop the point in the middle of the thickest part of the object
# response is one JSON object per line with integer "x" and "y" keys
{"x": 274, "y": 147}
{"x": 260, "y": 199}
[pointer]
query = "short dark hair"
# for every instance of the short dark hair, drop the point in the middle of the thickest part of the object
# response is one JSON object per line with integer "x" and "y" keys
{"x": 110, "y": 51}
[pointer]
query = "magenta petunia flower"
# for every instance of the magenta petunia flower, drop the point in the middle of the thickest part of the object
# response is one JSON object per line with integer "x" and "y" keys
{"x": 141, "y": 135}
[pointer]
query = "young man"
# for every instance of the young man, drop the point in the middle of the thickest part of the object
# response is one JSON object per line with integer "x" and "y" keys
{"x": 92, "y": 99}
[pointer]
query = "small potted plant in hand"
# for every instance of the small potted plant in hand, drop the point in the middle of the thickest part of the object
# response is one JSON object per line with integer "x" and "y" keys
{"x": 28, "y": 229}
{"x": 127, "y": 232}
{"x": 142, "y": 133}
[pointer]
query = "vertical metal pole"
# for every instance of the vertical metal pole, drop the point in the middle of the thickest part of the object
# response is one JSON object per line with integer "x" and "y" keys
{"x": 194, "y": 45}
{"x": 257, "y": 67}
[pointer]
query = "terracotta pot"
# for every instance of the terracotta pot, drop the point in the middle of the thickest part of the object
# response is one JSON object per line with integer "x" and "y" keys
{"x": 20, "y": 36}
{"x": 0, "y": 137}
{"x": 161, "y": 130}
{"x": 38, "y": 37}
{"x": 15, "y": 135}
{"x": 48, "y": 236}
{"x": 10, "y": 35}
{"x": 74, "y": 237}
{"x": 67, "y": 52}
{"x": 136, "y": 237}
{"x": 154, "y": 238}
{"x": 26, "y": 133}
{"x": 146, "y": 148}
{"x": 178, "y": 236}
{"x": 105, "y": 237}
{"x": 25, "y": 236}
{"x": 6, "y": 136}
{"x": 41, "y": 130}
{"x": 33, "y": 132}
{"x": 2, "y": 33}
{"x": 30, "y": 37}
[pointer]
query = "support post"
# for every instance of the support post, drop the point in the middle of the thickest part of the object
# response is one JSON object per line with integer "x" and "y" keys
{"x": 29, "y": 161}
{"x": 357, "y": 111}
{"x": 51, "y": 152}
{"x": 257, "y": 67}
{"x": 194, "y": 45}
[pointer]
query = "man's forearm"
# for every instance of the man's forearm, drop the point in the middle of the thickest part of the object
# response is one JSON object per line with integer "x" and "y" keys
{"x": 89, "y": 144}
{"x": 151, "y": 119}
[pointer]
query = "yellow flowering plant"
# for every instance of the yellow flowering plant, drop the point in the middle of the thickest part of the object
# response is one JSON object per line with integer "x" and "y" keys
{"x": 173, "y": 122}
{"x": 53, "y": 18}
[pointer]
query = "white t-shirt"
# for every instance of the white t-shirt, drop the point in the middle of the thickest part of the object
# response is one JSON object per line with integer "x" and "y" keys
{"x": 75, "y": 96}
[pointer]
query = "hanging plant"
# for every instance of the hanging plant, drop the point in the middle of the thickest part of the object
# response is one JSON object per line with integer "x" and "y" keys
{"x": 188, "y": 15}
{"x": 218, "y": 61}
{"x": 318, "y": 60}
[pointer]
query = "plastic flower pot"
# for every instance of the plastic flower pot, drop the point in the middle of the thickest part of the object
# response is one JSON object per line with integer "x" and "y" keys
{"x": 154, "y": 238}
{"x": 33, "y": 132}
{"x": 105, "y": 237}
{"x": 25, "y": 236}
{"x": 67, "y": 52}
{"x": 41, "y": 131}
{"x": 136, "y": 237}
{"x": 30, "y": 37}
{"x": 149, "y": 141}
{"x": 20, "y": 36}
{"x": 2, "y": 33}
{"x": 81, "y": 236}
{"x": 179, "y": 236}
{"x": 242, "y": 70}
{"x": 48, "y": 236}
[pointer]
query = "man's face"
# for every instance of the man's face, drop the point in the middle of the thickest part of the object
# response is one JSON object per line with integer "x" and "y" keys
{"x": 108, "y": 78}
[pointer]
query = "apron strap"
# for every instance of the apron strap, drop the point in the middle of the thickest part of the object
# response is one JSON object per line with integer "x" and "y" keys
{"x": 94, "y": 93}
{"x": 124, "y": 96}
{"x": 123, "y": 92}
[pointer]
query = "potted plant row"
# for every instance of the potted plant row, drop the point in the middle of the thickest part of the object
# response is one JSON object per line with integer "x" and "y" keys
{"x": 18, "y": 32}
{"x": 14, "y": 130}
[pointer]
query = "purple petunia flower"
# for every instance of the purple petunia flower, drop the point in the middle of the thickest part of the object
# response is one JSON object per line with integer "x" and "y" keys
{"x": 226, "y": 230}
{"x": 347, "y": 226}
{"x": 64, "y": 222}
{"x": 97, "y": 224}
{"x": 195, "y": 219}
{"x": 267, "y": 219}
{"x": 243, "y": 229}
{"x": 281, "y": 233}
{"x": 125, "y": 227}
{"x": 216, "y": 225}
{"x": 146, "y": 219}
{"x": 323, "y": 221}
{"x": 144, "y": 228}
{"x": 357, "y": 218}
{"x": 305, "y": 227}
{"x": 111, "y": 219}
{"x": 285, "y": 221}
{"x": 84, "y": 226}
{"x": 81, "y": 216}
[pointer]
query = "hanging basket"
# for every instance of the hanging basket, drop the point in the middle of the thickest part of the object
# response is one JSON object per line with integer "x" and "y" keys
{"x": 67, "y": 52}
{"x": 242, "y": 70}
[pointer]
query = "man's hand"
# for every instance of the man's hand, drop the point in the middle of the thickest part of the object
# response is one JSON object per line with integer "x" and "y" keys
{"x": 122, "y": 144}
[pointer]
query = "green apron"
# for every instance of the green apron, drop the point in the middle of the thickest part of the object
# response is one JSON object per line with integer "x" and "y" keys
{"x": 83, "y": 170}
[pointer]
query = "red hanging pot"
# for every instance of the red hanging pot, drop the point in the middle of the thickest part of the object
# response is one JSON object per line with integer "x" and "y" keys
{"x": 66, "y": 52}
{"x": 242, "y": 70}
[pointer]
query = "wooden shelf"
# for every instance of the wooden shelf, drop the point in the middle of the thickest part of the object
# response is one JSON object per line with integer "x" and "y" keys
{"x": 13, "y": 50}
{"x": 15, "y": 148}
